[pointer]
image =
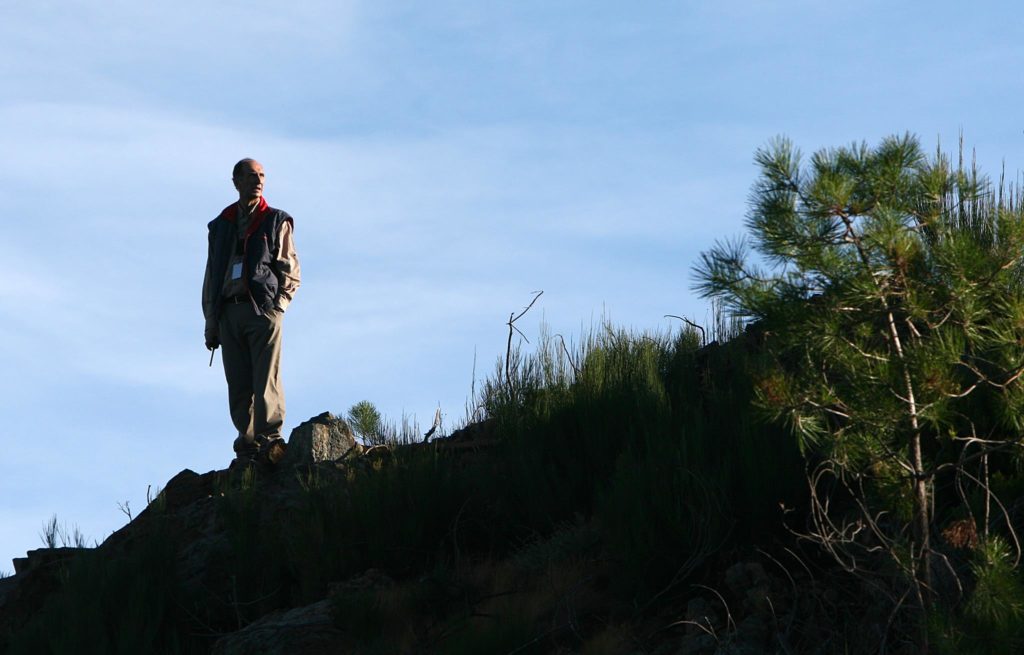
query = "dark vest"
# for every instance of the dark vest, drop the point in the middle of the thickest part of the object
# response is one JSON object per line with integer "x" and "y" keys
{"x": 258, "y": 261}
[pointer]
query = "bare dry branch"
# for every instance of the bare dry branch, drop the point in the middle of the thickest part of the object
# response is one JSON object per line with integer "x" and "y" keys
{"x": 703, "y": 334}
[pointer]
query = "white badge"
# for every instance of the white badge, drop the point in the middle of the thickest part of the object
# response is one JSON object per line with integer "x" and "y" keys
{"x": 236, "y": 271}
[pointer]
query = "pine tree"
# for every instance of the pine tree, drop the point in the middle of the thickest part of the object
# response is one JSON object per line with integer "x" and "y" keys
{"x": 366, "y": 420}
{"x": 887, "y": 287}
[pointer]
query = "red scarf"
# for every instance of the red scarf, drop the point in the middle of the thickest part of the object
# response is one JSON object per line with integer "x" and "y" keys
{"x": 258, "y": 214}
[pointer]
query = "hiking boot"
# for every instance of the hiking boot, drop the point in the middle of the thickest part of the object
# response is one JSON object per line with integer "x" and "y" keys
{"x": 245, "y": 449}
{"x": 273, "y": 450}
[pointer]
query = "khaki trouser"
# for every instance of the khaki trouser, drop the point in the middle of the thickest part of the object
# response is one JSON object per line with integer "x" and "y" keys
{"x": 251, "y": 351}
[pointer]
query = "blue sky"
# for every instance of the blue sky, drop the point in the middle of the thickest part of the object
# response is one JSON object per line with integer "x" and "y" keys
{"x": 442, "y": 161}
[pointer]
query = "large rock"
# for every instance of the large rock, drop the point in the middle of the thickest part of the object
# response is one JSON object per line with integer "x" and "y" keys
{"x": 23, "y": 594}
{"x": 323, "y": 438}
{"x": 45, "y": 557}
{"x": 308, "y": 630}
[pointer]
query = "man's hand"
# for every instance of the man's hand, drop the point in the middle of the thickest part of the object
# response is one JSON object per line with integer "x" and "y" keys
{"x": 212, "y": 334}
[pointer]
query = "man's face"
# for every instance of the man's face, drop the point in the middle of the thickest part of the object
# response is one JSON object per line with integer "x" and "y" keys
{"x": 249, "y": 182}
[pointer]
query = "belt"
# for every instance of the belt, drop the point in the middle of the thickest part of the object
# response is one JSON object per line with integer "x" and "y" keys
{"x": 235, "y": 300}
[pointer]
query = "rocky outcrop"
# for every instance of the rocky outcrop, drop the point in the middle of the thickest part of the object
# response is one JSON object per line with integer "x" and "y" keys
{"x": 44, "y": 557}
{"x": 187, "y": 508}
{"x": 308, "y": 630}
{"x": 195, "y": 529}
{"x": 323, "y": 438}
{"x": 23, "y": 594}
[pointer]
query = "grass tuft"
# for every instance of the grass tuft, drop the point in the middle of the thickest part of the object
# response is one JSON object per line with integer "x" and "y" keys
{"x": 57, "y": 535}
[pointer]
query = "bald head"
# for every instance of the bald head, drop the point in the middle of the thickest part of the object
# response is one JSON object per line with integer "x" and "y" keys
{"x": 242, "y": 163}
{"x": 248, "y": 178}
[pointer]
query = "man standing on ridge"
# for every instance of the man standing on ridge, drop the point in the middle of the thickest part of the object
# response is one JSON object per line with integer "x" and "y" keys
{"x": 252, "y": 273}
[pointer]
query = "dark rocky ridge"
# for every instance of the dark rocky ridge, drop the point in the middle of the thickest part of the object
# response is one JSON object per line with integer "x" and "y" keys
{"x": 323, "y": 447}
